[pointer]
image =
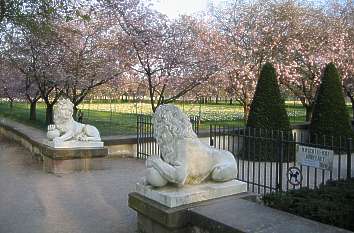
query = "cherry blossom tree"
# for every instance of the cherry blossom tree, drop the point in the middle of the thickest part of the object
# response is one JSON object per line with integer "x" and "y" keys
{"x": 73, "y": 48}
{"x": 299, "y": 37}
{"x": 36, "y": 55}
{"x": 245, "y": 31}
{"x": 12, "y": 82}
{"x": 309, "y": 38}
{"x": 21, "y": 54}
{"x": 342, "y": 14}
{"x": 31, "y": 44}
{"x": 300, "y": 55}
{"x": 90, "y": 56}
{"x": 172, "y": 57}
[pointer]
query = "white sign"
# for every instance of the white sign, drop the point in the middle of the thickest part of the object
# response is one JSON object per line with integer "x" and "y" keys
{"x": 314, "y": 157}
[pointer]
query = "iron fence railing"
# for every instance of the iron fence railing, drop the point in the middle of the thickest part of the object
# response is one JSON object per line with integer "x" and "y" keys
{"x": 266, "y": 159}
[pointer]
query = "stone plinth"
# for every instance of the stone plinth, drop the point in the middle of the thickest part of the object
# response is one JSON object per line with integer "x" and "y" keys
{"x": 156, "y": 218}
{"x": 75, "y": 144}
{"x": 171, "y": 196}
{"x": 61, "y": 161}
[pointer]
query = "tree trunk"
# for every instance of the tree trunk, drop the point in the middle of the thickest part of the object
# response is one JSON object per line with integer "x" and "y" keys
{"x": 49, "y": 114}
{"x": 75, "y": 109}
{"x": 309, "y": 109}
{"x": 230, "y": 101}
{"x": 11, "y": 104}
{"x": 153, "y": 108}
{"x": 33, "y": 108}
{"x": 246, "y": 111}
{"x": 351, "y": 101}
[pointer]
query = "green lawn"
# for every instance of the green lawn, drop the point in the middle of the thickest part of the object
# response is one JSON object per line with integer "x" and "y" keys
{"x": 120, "y": 118}
{"x": 108, "y": 123}
{"x": 207, "y": 112}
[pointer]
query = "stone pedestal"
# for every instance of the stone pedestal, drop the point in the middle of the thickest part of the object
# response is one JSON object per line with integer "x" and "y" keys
{"x": 167, "y": 209}
{"x": 156, "y": 218}
{"x": 61, "y": 161}
{"x": 172, "y": 196}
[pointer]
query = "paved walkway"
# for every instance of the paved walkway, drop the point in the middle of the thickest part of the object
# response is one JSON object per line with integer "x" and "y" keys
{"x": 32, "y": 201}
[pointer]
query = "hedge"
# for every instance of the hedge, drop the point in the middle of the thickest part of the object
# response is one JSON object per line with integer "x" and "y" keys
{"x": 332, "y": 203}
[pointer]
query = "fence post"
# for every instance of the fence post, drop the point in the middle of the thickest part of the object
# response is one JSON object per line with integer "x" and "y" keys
{"x": 137, "y": 136}
{"x": 280, "y": 165}
{"x": 211, "y": 135}
{"x": 349, "y": 158}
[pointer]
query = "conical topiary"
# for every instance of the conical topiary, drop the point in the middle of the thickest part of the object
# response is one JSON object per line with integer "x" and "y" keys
{"x": 330, "y": 116}
{"x": 267, "y": 121}
{"x": 268, "y": 108}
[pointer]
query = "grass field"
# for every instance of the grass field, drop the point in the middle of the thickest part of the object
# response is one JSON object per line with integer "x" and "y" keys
{"x": 120, "y": 118}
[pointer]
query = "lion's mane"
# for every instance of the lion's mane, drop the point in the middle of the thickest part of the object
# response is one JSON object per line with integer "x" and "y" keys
{"x": 63, "y": 113}
{"x": 171, "y": 124}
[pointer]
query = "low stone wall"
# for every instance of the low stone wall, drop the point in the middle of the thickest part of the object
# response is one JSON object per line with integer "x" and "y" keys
{"x": 240, "y": 215}
{"x": 231, "y": 214}
{"x": 54, "y": 160}
{"x": 117, "y": 146}
{"x": 120, "y": 146}
{"x": 301, "y": 131}
{"x": 22, "y": 139}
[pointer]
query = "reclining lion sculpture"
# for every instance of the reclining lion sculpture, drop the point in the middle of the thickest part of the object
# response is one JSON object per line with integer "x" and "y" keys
{"x": 65, "y": 128}
{"x": 184, "y": 158}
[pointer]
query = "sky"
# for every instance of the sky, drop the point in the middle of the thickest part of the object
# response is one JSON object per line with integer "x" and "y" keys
{"x": 173, "y": 8}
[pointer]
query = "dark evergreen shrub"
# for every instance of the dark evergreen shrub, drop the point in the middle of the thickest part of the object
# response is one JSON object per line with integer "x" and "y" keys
{"x": 332, "y": 203}
{"x": 330, "y": 116}
{"x": 267, "y": 121}
{"x": 268, "y": 108}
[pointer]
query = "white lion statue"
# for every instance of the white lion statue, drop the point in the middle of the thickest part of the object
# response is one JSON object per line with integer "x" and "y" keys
{"x": 184, "y": 158}
{"x": 65, "y": 128}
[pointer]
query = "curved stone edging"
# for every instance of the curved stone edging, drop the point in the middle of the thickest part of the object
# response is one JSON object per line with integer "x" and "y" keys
{"x": 54, "y": 160}
{"x": 33, "y": 139}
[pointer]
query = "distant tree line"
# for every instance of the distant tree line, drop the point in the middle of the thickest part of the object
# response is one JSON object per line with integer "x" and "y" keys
{"x": 50, "y": 49}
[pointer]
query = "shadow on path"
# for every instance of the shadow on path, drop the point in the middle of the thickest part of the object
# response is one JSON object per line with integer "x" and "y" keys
{"x": 32, "y": 201}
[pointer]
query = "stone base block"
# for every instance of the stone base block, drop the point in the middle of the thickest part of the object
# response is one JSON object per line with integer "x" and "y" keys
{"x": 156, "y": 218}
{"x": 75, "y": 144}
{"x": 71, "y": 165}
{"x": 147, "y": 225}
{"x": 172, "y": 196}
{"x": 61, "y": 161}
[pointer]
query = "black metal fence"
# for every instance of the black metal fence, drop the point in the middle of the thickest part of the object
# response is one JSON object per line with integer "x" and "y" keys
{"x": 146, "y": 143}
{"x": 266, "y": 159}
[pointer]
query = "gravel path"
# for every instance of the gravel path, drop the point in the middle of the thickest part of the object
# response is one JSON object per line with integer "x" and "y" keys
{"x": 32, "y": 201}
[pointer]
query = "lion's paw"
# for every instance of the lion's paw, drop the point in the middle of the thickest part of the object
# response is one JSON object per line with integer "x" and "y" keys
{"x": 57, "y": 140}
{"x": 51, "y": 127}
{"x": 82, "y": 137}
